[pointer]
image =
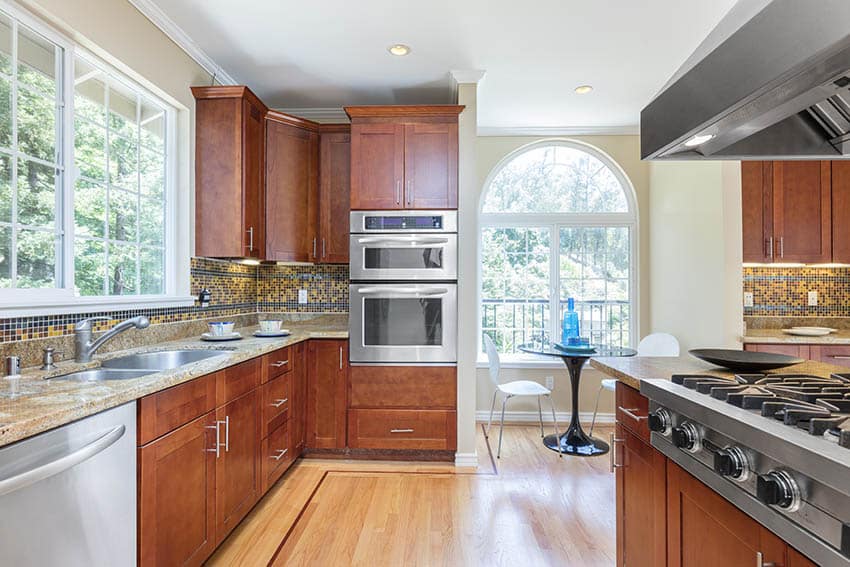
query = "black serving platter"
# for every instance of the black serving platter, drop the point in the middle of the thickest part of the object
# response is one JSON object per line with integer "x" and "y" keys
{"x": 743, "y": 359}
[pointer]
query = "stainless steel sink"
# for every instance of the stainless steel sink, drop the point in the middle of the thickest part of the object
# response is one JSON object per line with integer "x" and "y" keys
{"x": 162, "y": 360}
{"x": 100, "y": 374}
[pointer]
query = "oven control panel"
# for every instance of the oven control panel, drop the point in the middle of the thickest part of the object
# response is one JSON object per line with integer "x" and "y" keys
{"x": 431, "y": 222}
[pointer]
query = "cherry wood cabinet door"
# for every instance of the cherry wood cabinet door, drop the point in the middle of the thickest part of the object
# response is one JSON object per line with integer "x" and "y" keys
{"x": 797, "y": 559}
{"x": 298, "y": 403}
{"x": 641, "y": 501}
{"x": 757, "y": 205}
{"x": 177, "y": 495}
{"x": 430, "y": 166}
{"x": 326, "y": 394}
{"x": 238, "y": 469}
{"x": 705, "y": 530}
{"x": 291, "y": 193}
{"x": 838, "y": 355}
{"x": 801, "y": 351}
{"x": 841, "y": 211}
{"x": 377, "y": 166}
{"x": 253, "y": 205}
{"x": 334, "y": 197}
{"x": 802, "y": 211}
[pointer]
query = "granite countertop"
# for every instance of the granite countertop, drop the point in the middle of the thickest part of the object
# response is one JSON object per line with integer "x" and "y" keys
{"x": 631, "y": 370}
{"x": 776, "y": 336}
{"x": 30, "y": 404}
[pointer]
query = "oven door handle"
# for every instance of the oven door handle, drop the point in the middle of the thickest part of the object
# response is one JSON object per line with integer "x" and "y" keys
{"x": 402, "y": 240}
{"x": 407, "y": 291}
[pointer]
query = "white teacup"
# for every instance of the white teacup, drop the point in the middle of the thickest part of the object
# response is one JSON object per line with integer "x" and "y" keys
{"x": 221, "y": 328}
{"x": 270, "y": 325}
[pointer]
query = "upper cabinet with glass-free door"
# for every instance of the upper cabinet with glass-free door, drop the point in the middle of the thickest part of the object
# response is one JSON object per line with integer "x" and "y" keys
{"x": 404, "y": 157}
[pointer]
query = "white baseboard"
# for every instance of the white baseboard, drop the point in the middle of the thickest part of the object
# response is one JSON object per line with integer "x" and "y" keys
{"x": 466, "y": 459}
{"x": 563, "y": 417}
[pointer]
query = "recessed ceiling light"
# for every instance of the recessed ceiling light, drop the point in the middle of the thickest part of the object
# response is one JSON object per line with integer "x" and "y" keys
{"x": 699, "y": 140}
{"x": 583, "y": 89}
{"x": 399, "y": 49}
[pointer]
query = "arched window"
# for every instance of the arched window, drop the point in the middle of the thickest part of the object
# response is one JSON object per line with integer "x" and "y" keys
{"x": 558, "y": 220}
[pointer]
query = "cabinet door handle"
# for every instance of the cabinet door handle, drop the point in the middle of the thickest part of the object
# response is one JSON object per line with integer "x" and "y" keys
{"x": 761, "y": 563}
{"x": 314, "y": 248}
{"x": 781, "y": 246}
{"x": 630, "y": 413}
{"x": 840, "y": 356}
{"x": 401, "y": 431}
{"x": 250, "y": 238}
{"x": 398, "y": 191}
{"x": 227, "y": 434}
{"x": 770, "y": 248}
{"x": 280, "y": 363}
{"x": 217, "y": 449}
{"x": 323, "y": 248}
{"x": 340, "y": 358}
{"x": 409, "y": 192}
{"x": 612, "y": 454}
{"x": 279, "y": 402}
{"x": 280, "y": 454}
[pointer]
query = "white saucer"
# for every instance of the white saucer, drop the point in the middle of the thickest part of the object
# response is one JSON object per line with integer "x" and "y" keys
{"x": 808, "y": 331}
{"x": 269, "y": 334}
{"x": 234, "y": 336}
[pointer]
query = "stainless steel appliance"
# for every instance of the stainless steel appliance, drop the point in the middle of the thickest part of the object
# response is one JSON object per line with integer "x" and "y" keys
{"x": 404, "y": 245}
{"x": 404, "y": 287}
{"x": 68, "y": 496}
{"x": 770, "y": 82}
{"x": 777, "y": 446}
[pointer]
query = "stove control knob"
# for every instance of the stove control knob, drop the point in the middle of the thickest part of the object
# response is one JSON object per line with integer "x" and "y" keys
{"x": 660, "y": 421}
{"x": 778, "y": 488}
{"x": 732, "y": 463}
{"x": 686, "y": 437}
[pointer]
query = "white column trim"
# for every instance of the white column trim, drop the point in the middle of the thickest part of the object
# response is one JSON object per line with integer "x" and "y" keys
{"x": 466, "y": 459}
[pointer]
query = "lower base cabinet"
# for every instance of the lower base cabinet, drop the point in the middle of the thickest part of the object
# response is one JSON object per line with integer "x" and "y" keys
{"x": 837, "y": 355}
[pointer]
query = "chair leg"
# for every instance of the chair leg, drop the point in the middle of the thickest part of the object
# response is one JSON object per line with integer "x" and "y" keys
{"x": 490, "y": 420}
{"x": 595, "y": 409}
{"x": 502, "y": 427}
{"x": 540, "y": 415}
{"x": 555, "y": 425}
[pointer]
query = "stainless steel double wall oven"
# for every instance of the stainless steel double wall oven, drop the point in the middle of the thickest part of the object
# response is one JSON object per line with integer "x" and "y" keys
{"x": 403, "y": 287}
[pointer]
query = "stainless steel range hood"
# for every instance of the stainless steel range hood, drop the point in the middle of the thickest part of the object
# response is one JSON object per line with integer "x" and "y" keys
{"x": 772, "y": 81}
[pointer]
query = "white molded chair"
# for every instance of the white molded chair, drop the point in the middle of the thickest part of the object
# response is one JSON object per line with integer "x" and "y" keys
{"x": 656, "y": 344}
{"x": 512, "y": 390}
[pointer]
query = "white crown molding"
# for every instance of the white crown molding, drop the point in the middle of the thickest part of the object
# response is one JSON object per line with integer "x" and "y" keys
{"x": 161, "y": 20}
{"x": 329, "y": 115}
{"x": 467, "y": 76}
{"x": 563, "y": 417}
{"x": 542, "y": 131}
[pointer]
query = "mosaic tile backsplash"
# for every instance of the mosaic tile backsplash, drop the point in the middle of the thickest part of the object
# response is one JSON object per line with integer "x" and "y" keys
{"x": 236, "y": 289}
{"x": 782, "y": 292}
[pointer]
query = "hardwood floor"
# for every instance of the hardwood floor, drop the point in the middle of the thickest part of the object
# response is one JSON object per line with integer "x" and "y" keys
{"x": 533, "y": 509}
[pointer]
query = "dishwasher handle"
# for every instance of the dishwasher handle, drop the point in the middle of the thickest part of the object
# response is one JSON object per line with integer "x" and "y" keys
{"x": 42, "y": 472}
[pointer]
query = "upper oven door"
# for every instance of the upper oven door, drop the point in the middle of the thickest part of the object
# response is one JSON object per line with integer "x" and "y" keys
{"x": 412, "y": 257}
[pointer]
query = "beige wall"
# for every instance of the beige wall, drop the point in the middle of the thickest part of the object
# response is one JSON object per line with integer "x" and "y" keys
{"x": 118, "y": 33}
{"x": 625, "y": 150}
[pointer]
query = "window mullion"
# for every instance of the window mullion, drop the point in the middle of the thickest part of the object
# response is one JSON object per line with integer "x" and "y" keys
{"x": 13, "y": 272}
{"x": 554, "y": 282}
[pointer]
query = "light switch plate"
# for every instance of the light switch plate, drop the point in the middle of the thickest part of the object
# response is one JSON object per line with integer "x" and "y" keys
{"x": 302, "y": 297}
{"x": 748, "y": 299}
{"x": 813, "y": 299}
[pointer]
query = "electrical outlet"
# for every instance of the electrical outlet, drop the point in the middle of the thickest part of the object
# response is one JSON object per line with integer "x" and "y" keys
{"x": 813, "y": 299}
{"x": 550, "y": 382}
{"x": 302, "y": 297}
{"x": 748, "y": 299}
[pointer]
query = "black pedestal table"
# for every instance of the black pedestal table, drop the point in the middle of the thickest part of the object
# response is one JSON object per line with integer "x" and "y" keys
{"x": 574, "y": 441}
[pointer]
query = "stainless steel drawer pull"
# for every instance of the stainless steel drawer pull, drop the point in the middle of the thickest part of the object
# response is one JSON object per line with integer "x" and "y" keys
{"x": 280, "y": 363}
{"x": 840, "y": 356}
{"x": 401, "y": 431}
{"x": 280, "y": 454}
{"x": 227, "y": 434}
{"x": 612, "y": 454}
{"x": 217, "y": 449}
{"x": 760, "y": 561}
{"x": 278, "y": 403}
{"x": 630, "y": 413}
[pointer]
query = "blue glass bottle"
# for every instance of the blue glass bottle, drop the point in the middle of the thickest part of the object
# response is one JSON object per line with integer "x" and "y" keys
{"x": 570, "y": 326}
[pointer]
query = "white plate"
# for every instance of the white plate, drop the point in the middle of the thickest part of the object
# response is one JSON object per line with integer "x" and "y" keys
{"x": 811, "y": 332}
{"x": 830, "y": 329}
{"x": 231, "y": 337}
{"x": 268, "y": 334}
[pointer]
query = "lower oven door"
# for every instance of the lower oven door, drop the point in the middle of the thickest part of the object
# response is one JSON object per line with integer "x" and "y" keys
{"x": 403, "y": 322}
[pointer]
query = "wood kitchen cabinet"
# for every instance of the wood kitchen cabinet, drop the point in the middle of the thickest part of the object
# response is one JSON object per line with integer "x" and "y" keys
{"x": 334, "y": 193}
{"x": 404, "y": 157}
{"x": 229, "y": 184}
{"x": 787, "y": 211}
{"x": 327, "y": 377}
{"x": 789, "y": 349}
{"x": 298, "y": 415}
{"x": 291, "y": 169}
{"x": 841, "y": 212}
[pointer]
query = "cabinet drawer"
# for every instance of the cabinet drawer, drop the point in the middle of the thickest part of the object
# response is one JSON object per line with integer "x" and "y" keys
{"x": 402, "y": 429}
{"x": 276, "y": 455}
{"x": 238, "y": 380}
{"x": 169, "y": 409}
{"x": 276, "y": 402}
{"x": 839, "y": 355}
{"x": 277, "y": 363}
{"x": 632, "y": 410}
{"x": 403, "y": 387}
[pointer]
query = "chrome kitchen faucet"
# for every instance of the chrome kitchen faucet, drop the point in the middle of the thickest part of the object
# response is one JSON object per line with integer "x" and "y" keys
{"x": 84, "y": 347}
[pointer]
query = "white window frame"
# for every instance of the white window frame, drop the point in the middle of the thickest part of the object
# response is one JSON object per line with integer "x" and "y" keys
{"x": 62, "y": 299}
{"x": 554, "y": 222}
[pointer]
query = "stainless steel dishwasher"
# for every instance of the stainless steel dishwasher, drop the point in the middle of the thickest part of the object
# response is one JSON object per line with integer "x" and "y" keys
{"x": 68, "y": 496}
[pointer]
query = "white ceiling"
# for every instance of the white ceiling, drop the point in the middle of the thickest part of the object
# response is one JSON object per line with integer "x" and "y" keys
{"x": 330, "y": 53}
